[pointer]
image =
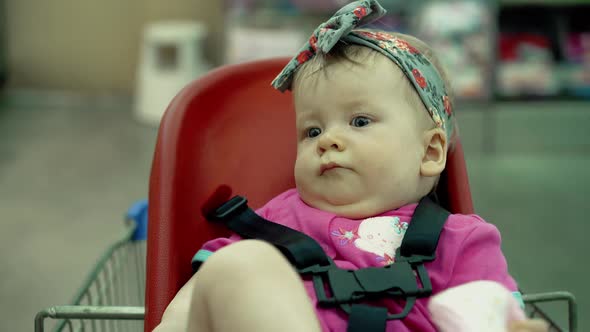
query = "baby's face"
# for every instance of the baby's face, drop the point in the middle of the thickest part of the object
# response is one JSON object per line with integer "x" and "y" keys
{"x": 359, "y": 147}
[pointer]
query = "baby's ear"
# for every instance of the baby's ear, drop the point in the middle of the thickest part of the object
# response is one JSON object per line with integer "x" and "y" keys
{"x": 435, "y": 152}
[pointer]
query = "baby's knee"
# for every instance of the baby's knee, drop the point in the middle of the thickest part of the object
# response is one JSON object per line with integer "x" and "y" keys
{"x": 242, "y": 258}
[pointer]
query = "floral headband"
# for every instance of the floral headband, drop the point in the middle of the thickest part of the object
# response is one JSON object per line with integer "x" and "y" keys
{"x": 341, "y": 27}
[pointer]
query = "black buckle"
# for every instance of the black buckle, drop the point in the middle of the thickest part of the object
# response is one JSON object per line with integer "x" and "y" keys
{"x": 396, "y": 281}
{"x": 235, "y": 205}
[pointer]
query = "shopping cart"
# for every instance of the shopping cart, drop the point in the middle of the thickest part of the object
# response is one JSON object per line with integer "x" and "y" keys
{"x": 207, "y": 138}
{"x": 112, "y": 298}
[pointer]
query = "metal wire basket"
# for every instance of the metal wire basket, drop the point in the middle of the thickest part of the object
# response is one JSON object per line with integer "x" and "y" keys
{"x": 112, "y": 297}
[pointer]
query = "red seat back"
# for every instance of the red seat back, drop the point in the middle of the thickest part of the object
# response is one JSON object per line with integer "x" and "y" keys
{"x": 228, "y": 128}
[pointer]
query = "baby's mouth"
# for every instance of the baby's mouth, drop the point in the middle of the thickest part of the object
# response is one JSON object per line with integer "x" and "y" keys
{"x": 328, "y": 167}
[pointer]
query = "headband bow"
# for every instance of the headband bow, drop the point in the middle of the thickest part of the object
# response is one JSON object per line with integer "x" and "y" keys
{"x": 416, "y": 67}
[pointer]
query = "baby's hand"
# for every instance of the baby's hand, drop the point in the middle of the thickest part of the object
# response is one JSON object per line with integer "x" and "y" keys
{"x": 529, "y": 325}
{"x": 483, "y": 306}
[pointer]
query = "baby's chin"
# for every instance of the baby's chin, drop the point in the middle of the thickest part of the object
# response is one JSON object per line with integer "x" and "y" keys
{"x": 348, "y": 207}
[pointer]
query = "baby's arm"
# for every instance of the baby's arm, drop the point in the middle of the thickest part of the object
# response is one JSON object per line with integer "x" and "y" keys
{"x": 479, "y": 257}
{"x": 484, "y": 306}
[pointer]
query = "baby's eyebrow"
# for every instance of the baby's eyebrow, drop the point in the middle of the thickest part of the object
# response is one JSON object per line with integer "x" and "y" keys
{"x": 354, "y": 102}
{"x": 303, "y": 116}
{"x": 300, "y": 123}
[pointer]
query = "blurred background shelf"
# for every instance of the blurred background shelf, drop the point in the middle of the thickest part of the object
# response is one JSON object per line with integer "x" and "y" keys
{"x": 546, "y": 55}
{"x": 511, "y": 50}
{"x": 556, "y": 3}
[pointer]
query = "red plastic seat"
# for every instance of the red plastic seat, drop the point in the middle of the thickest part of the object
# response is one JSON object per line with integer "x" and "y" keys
{"x": 228, "y": 128}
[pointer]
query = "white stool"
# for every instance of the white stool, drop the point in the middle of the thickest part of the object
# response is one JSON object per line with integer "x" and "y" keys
{"x": 171, "y": 57}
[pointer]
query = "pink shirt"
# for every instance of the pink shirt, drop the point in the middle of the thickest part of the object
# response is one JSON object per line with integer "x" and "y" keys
{"x": 468, "y": 250}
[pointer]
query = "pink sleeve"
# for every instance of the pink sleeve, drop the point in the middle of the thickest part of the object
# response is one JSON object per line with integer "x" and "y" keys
{"x": 480, "y": 257}
{"x": 216, "y": 244}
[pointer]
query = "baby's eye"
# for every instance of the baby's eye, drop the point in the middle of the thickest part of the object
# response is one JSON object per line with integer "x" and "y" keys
{"x": 313, "y": 132}
{"x": 360, "y": 121}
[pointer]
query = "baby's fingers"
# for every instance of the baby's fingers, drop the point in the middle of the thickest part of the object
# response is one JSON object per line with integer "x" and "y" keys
{"x": 529, "y": 325}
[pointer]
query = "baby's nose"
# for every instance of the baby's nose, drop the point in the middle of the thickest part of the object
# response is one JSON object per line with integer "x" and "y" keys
{"x": 330, "y": 140}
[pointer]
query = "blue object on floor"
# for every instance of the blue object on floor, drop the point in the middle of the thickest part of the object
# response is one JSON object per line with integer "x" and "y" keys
{"x": 138, "y": 212}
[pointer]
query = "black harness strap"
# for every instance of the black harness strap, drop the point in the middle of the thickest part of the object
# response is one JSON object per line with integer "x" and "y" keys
{"x": 301, "y": 250}
{"x": 366, "y": 318}
{"x": 424, "y": 230}
{"x": 347, "y": 287}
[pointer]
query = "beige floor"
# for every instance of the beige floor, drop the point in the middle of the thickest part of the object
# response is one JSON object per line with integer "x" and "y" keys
{"x": 69, "y": 168}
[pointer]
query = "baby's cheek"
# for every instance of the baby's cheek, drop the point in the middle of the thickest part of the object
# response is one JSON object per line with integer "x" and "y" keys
{"x": 303, "y": 176}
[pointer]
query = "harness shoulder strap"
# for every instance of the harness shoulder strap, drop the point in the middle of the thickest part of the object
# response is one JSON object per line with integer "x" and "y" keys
{"x": 301, "y": 250}
{"x": 423, "y": 233}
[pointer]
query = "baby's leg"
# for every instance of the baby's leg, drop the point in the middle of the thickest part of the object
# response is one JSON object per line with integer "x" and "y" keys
{"x": 176, "y": 316}
{"x": 250, "y": 286}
